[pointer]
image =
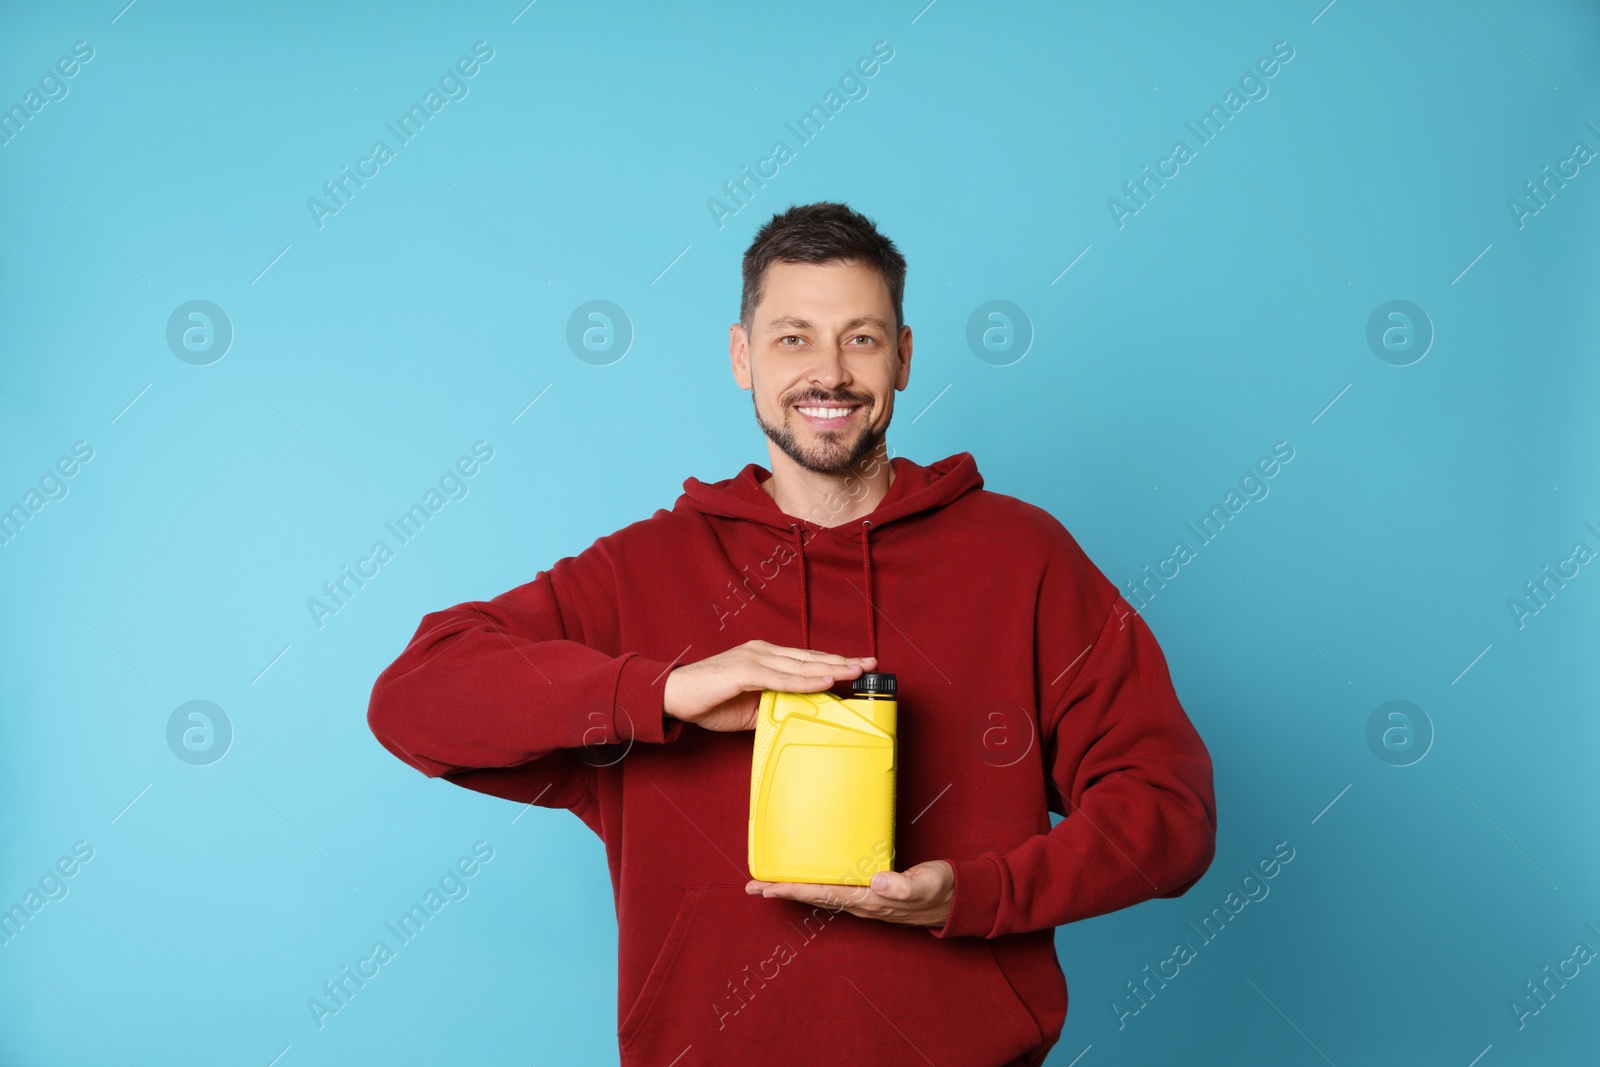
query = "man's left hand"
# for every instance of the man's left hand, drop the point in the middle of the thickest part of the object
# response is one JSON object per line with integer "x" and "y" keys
{"x": 918, "y": 896}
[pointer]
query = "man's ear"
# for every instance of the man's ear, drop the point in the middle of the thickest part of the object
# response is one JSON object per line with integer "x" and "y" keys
{"x": 739, "y": 355}
{"x": 902, "y": 376}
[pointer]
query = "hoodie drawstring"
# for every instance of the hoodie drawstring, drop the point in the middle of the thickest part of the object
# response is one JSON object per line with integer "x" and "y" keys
{"x": 866, "y": 577}
{"x": 805, "y": 622}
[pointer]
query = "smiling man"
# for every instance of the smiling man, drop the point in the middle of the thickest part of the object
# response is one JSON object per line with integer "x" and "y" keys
{"x": 622, "y": 684}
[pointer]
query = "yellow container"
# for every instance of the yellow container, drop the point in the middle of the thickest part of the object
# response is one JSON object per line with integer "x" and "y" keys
{"x": 822, "y": 784}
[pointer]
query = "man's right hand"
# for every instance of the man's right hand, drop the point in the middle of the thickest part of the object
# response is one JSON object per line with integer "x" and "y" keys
{"x": 723, "y": 692}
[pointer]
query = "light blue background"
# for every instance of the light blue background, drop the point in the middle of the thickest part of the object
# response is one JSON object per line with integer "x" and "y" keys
{"x": 1227, "y": 315}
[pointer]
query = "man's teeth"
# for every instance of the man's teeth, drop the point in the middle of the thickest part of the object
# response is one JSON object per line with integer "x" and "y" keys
{"x": 826, "y": 413}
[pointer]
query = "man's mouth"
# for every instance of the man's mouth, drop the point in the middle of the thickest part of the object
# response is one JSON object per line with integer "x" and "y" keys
{"x": 827, "y": 416}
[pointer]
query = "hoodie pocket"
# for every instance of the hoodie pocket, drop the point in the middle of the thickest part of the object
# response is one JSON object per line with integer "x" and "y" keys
{"x": 661, "y": 970}
{"x": 740, "y": 978}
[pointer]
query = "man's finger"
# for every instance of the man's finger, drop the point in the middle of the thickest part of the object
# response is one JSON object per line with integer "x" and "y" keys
{"x": 783, "y": 682}
{"x": 832, "y": 897}
{"x": 791, "y": 665}
{"x": 830, "y": 662}
{"x": 811, "y": 655}
{"x": 893, "y": 885}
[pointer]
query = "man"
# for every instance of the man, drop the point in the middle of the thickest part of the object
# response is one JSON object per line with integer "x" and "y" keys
{"x": 622, "y": 684}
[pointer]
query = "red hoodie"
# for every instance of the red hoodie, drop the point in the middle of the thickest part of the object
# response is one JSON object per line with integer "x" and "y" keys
{"x": 1027, "y": 685}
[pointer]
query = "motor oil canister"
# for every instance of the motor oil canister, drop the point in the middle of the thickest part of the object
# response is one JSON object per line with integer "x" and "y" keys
{"x": 822, "y": 785}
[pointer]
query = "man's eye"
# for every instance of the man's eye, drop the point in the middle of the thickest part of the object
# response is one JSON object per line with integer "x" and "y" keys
{"x": 867, "y": 337}
{"x": 790, "y": 337}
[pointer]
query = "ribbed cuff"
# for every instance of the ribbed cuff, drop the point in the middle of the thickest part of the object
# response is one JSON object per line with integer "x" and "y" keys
{"x": 639, "y": 711}
{"x": 975, "y": 902}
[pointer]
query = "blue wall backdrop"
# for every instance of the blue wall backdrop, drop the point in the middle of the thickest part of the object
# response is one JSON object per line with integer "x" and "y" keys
{"x": 221, "y": 379}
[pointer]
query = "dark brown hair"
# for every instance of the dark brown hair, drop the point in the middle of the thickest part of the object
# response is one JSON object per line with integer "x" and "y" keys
{"x": 824, "y": 232}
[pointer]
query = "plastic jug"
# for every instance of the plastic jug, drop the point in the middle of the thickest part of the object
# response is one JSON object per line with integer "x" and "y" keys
{"x": 822, "y": 785}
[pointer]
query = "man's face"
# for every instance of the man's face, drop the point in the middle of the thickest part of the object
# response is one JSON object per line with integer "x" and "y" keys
{"x": 822, "y": 362}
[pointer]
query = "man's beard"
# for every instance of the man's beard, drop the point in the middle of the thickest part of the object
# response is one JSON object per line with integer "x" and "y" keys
{"x": 832, "y": 454}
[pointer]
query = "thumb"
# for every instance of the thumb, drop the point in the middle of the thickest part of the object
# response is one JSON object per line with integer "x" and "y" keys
{"x": 892, "y": 885}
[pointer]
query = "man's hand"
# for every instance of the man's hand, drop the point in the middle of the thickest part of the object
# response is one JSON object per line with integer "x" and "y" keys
{"x": 919, "y": 897}
{"x": 723, "y": 692}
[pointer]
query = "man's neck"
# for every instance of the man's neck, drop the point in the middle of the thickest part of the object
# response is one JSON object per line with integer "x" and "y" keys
{"x": 829, "y": 499}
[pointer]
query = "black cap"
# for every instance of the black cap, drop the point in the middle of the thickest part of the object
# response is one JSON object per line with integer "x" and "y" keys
{"x": 874, "y": 682}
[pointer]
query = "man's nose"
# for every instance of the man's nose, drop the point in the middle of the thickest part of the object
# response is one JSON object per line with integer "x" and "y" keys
{"x": 830, "y": 371}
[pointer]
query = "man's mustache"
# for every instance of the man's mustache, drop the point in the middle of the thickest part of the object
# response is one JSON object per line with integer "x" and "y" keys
{"x": 838, "y": 401}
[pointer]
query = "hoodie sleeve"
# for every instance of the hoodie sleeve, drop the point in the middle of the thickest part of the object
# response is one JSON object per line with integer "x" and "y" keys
{"x": 512, "y": 696}
{"x": 1130, "y": 773}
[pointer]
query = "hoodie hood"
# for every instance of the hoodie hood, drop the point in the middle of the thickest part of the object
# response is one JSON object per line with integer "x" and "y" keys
{"x": 916, "y": 489}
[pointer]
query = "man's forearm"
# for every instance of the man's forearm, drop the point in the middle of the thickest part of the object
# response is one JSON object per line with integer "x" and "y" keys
{"x": 479, "y": 686}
